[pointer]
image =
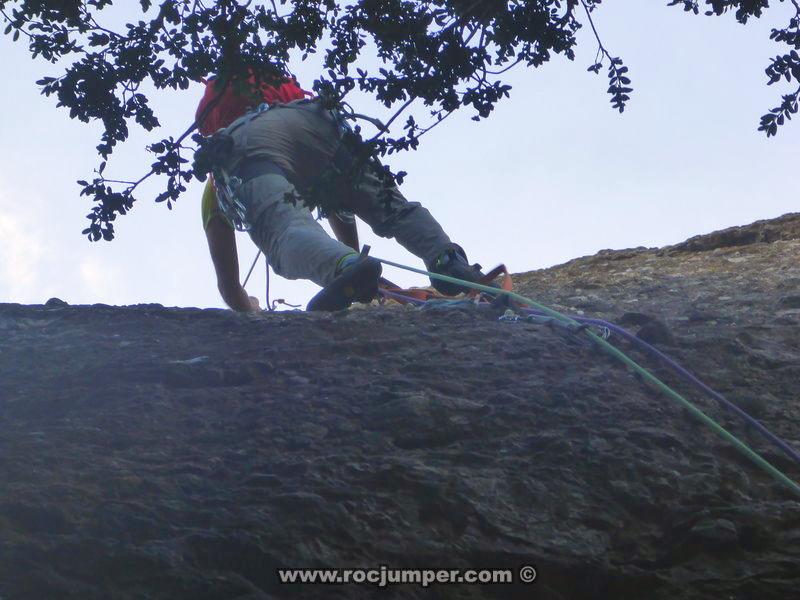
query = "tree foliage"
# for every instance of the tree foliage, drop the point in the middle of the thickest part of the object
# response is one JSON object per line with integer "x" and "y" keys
{"x": 444, "y": 54}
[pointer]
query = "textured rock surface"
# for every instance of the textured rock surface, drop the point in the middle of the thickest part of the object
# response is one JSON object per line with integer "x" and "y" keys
{"x": 164, "y": 453}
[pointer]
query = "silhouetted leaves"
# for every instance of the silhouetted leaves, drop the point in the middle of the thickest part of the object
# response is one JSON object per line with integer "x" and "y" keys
{"x": 443, "y": 54}
{"x": 786, "y": 66}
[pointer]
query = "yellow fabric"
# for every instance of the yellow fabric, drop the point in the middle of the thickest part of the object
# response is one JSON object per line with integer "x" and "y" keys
{"x": 209, "y": 206}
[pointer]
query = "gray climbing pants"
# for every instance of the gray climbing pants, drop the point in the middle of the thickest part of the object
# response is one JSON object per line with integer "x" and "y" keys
{"x": 302, "y": 137}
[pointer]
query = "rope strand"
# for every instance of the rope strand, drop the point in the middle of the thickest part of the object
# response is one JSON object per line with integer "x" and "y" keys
{"x": 609, "y": 348}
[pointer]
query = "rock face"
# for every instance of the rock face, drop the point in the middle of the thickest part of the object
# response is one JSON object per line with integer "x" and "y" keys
{"x": 148, "y": 452}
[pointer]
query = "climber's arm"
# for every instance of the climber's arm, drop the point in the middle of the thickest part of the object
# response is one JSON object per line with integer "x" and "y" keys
{"x": 221, "y": 239}
{"x": 222, "y": 246}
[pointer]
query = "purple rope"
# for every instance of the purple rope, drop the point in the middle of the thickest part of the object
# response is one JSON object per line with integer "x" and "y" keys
{"x": 786, "y": 448}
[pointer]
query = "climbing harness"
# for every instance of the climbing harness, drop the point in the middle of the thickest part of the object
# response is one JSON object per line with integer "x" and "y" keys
{"x": 226, "y": 186}
{"x": 229, "y": 204}
{"x": 211, "y": 156}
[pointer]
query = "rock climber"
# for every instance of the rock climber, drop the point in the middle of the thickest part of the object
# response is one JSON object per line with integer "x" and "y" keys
{"x": 280, "y": 146}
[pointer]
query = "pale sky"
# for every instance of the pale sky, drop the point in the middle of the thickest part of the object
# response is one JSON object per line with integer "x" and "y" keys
{"x": 552, "y": 175}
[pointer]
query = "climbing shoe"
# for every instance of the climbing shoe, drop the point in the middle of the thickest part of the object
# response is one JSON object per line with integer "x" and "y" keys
{"x": 453, "y": 263}
{"x": 357, "y": 281}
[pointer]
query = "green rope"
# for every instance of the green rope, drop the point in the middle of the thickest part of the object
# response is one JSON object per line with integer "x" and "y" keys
{"x": 624, "y": 358}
